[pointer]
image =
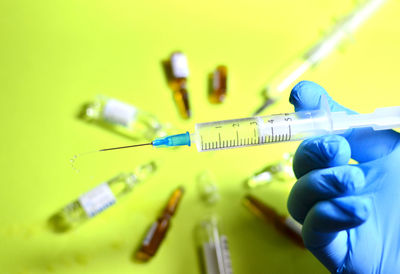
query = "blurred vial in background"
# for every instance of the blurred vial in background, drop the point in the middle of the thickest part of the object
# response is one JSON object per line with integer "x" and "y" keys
{"x": 218, "y": 85}
{"x": 278, "y": 171}
{"x": 123, "y": 118}
{"x": 207, "y": 187}
{"x": 284, "y": 224}
{"x": 213, "y": 247}
{"x": 177, "y": 71}
{"x": 99, "y": 198}
{"x": 159, "y": 228}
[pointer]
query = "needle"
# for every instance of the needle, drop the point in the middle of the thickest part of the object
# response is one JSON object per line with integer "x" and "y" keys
{"x": 113, "y": 148}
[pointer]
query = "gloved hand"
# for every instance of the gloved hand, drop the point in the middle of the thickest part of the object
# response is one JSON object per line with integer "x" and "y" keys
{"x": 350, "y": 213}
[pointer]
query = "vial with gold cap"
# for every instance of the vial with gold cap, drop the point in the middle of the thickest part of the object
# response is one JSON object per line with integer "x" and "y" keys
{"x": 178, "y": 72}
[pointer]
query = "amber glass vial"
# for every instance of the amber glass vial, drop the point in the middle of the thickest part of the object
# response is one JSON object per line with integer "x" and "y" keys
{"x": 286, "y": 225}
{"x": 159, "y": 228}
{"x": 177, "y": 79}
{"x": 218, "y": 85}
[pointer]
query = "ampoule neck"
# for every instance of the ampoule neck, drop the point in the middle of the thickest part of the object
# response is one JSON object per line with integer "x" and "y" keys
{"x": 93, "y": 110}
{"x": 131, "y": 179}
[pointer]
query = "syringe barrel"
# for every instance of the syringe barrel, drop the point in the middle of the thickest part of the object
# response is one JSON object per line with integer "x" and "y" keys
{"x": 261, "y": 130}
{"x": 380, "y": 119}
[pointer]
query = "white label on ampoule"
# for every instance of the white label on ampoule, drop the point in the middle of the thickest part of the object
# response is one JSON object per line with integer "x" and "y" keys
{"x": 117, "y": 112}
{"x": 216, "y": 79}
{"x": 293, "y": 224}
{"x": 97, "y": 199}
{"x": 150, "y": 234}
{"x": 179, "y": 65}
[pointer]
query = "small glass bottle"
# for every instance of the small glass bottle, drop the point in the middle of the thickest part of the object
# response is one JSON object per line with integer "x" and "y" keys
{"x": 213, "y": 247}
{"x": 207, "y": 187}
{"x": 99, "y": 199}
{"x": 218, "y": 85}
{"x": 284, "y": 224}
{"x": 159, "y": 228}
{"x": 179, "y": 69}
{"x": 278, "y": 171}
{"x": 123, "y": 118}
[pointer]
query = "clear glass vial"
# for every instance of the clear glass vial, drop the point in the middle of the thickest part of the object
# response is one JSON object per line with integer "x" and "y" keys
{"x": 213, "y": 247}
{"x": 278, "y": 171}
{"x": 207, "y": 187}
{"x": 123, "y": 118}
{"x": 99, "y": 199}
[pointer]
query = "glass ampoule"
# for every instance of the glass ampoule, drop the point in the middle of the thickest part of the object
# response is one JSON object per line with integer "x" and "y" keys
{"x": 123, "y": 118}
{"x": 99, "y": 198}
{"x": 158, "y": 230}
{"x": 284, "y": 224}
{"x": 218, "y": 85}
{"x": 179, "y": 71}
{"x": 278, "y": 171}
{"x": 213, "y": 247}
{"x": 207, "y": 187}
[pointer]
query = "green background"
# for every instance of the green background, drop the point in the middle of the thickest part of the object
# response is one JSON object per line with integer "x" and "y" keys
{"x": 56, "y": 55}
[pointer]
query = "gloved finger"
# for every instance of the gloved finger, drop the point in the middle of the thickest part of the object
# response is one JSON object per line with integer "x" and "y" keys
{"x": 306, "y": 95}
{"x": 323, "y": 229}
{"x": 366, "y": 144}
{"x": 323, "y": 184}
{"x": 321, "y": 152}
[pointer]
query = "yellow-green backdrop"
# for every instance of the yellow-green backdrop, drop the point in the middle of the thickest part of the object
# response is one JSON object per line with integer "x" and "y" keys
{"x": 56, "y": 55}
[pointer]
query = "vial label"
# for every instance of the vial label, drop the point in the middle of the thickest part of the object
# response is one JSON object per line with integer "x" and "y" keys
{"x": 216, "y": 80}
{"x": 150, "y": 234}
{"x": 97, "y": 200}
{"x": 293, "y": 225}
{"x": 262, "y": 177}
{"x": 179, "y": 65}
{"x": 117, "y": 112}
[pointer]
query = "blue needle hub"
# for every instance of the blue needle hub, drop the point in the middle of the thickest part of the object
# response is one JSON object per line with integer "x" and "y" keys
{"x": 173, "y": 140}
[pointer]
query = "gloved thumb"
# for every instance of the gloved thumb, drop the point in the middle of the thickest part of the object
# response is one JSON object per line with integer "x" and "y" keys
{"x": 306, "y": 95}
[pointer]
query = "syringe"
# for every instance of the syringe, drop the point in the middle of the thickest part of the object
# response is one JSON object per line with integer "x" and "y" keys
{"x": 285, "y": 127}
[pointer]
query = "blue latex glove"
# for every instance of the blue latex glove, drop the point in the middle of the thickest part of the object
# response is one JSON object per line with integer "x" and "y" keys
{"x": 350, "y": 213}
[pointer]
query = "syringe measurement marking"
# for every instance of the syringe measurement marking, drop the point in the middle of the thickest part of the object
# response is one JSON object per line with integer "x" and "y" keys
{"x": 256, "y": 140}
{"x": 226, "y": 255}
{"x": 245, "y": 141}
